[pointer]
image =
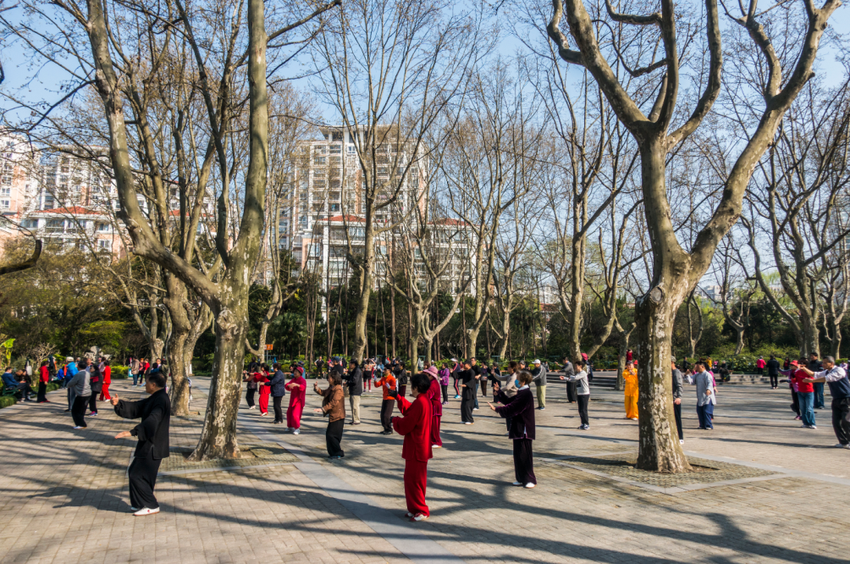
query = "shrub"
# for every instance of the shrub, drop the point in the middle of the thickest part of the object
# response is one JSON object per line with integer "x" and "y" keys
{"x": 6, "y": 401}
{"x": 120, "y": 372}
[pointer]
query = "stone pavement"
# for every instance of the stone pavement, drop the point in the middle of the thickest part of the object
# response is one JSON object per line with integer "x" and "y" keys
{"x": 780, "y": 500}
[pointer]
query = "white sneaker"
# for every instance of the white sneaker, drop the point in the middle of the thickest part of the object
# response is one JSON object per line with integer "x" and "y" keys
{"x": 146, "y": 511}
{"x": 84, "y": 428}
{"x": 681, "y": 441}
{"x": 296, "y": 432}
{"x": 813, "y": 426}
{"x": 847, "y": 446}
{"x": 837, "y": 445}
{"x": 529, "y": 485}
{"x": 419, "y": 517}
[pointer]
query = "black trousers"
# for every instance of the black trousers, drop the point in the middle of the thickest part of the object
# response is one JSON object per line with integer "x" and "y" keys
{"x": 677, "y": 411}
{"x": 333, "y": 437}
{"x": 795, "y": 403}
{"x": 774, "y": 380}
{"x": 278, "y": 411}
{"x": 142, "y": 474}
{"x": 445, "y": 389}
{"x": 78, "y": 410}
{"x": 249, "y": 397}
{"x": 466, "y": 403}
{"x": 402, "y": 388}
{"x": 582, "y": 408}
{"x": 571, "y": 392}
{"x": 93, "y": 402}
{"x": 387, "y": 414}
{"x": 42, "y": 391}
{"x": 524, "y": 461}
{"x": 841, "y": 419}
{"x": 483, "y": 384}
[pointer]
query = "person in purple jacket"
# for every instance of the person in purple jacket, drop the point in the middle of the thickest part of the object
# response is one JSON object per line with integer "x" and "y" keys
{"x": 520, "y": 408}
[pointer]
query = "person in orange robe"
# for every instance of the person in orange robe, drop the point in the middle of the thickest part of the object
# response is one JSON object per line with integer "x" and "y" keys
{"x": 631, "y": 377}
{"x": 415, "y": 427}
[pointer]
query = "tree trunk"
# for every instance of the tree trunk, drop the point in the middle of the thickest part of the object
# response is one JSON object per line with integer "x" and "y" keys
{"x": 218, "y": 437}
{"x": 739, "y": 343}
{"x": 659, "y": 449}
{"x": 811, "y": 334}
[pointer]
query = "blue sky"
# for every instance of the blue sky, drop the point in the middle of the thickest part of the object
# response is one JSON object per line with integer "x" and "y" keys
{"x": 20, "y": 67}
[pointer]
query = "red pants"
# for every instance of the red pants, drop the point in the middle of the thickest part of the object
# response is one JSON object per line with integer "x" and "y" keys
{"x": 265, "y": 392}
{"x": 104, "y": 393}
{"x": 293, "y": 415}
{"x": 415, "y": 480}
{"x": 435, "y": 431}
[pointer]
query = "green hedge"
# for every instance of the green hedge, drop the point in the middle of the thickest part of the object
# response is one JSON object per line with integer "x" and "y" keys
{"x": 120, "y": 372}
{"x": 6, "y": 401}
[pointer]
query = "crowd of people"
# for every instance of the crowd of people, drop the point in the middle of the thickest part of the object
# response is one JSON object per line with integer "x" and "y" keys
{"x": 418, "y": 421}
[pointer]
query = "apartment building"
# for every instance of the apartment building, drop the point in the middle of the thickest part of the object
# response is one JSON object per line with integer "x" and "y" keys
{"x": 18, "y": 183}
{"x": 325, "y": 197}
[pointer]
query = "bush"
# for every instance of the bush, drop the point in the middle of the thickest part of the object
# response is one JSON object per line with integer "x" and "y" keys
{"x": 6, "y": 401}
{"x": 120, "y": 372}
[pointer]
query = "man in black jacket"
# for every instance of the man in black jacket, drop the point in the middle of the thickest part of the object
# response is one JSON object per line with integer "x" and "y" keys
{"x": 152, "y": 433}
{"x": 773, "y": 371}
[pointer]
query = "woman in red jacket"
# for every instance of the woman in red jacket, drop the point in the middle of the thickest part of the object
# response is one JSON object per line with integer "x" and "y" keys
{"x": 262, "y": 378}
{"x": 297, "y": 387}
{"x": 434, "y": 394}
{"x": 415, "y": 426}
{"x": 43, "y": 378}
{"x": 107, "y": 379}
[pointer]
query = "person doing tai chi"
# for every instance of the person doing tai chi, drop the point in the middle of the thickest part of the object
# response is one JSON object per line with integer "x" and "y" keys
{"x": 152, "y": 446}
{"x": 415, "y": 427}
{"x": 630, "y": 375}
{"x": 519, "y": 409}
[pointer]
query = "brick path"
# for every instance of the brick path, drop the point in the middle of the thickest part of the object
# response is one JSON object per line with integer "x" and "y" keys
{"x": 64, "y": 493}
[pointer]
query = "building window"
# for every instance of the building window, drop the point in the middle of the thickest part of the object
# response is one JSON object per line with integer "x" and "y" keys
{"x": 103, "y": 227}
{"x": 6, "y": 179}
{"x": 5, "y": 191}
{"x": 320, "y": 160}
{"x": 5, "y": 204}
{"x": 104, "y": 244}
{"x": 30, "y": 223}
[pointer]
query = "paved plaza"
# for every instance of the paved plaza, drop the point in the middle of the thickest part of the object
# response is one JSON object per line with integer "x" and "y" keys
{"x": 766, "y": 490}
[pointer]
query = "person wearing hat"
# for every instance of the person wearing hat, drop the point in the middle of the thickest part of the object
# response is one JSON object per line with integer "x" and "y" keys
{"x": 297, "y": 387}
{"x": 433, "y": 394}
{"x": 839, "y": 387}
{"x": 538, "y": 374}
{"x": 631, "y": 394}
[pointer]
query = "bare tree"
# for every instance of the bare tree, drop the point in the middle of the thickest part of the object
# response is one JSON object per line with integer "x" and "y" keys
{"x": 801, "y": 186}
{"x": 391, "y": 70}
{"x": 675, "y": 270}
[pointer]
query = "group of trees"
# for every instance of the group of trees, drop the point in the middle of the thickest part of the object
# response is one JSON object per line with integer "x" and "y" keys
{"x": 607, "y": 164}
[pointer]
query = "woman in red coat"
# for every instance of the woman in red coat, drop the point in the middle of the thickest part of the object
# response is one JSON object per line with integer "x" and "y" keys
{"x": 297, "y": 387}
{"x": 262, "y": 378}
{"x": 415, "y": 426}
{"x": 43, "y": 379}
{"x": 434, "y": 394}
{"x": 107, "y": 379}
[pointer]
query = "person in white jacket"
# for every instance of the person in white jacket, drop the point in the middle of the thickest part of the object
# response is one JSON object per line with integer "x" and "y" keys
{"x": 582, "y": 384}
{"x": 705, "y": 395}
